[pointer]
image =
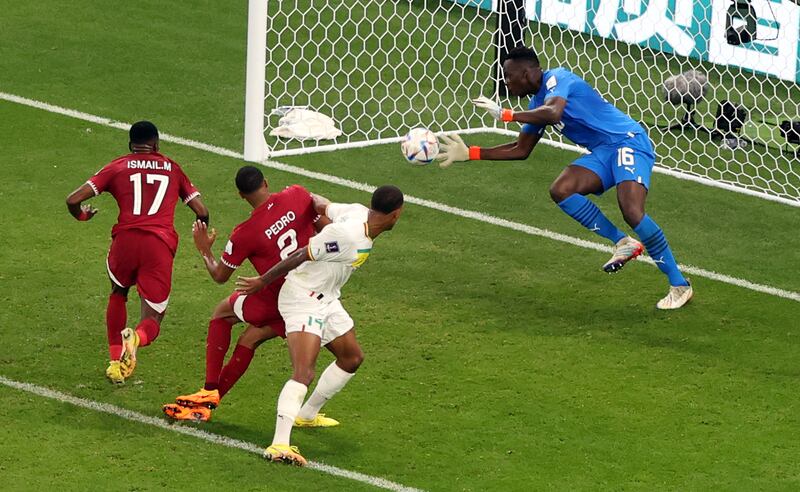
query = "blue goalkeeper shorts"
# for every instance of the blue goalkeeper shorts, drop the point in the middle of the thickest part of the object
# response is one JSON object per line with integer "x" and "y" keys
{"x": 631, "y": 159}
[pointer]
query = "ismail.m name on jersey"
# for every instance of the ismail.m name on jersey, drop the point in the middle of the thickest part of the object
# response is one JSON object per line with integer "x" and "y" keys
{"x": 156, "y": 165}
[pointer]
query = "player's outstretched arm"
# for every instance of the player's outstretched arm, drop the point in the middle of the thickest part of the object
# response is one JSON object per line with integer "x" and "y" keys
{"x": 203, "y": 240}
{"x": 455, "y": 150}
{"x": 199, "y": 208}
{"x": 75, "y": 203}
{"x": 251, "y": 285}
{"x": 512, "y": 151}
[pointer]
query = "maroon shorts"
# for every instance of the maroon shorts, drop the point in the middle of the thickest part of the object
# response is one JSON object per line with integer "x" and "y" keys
{"x": 259, "y": 309}
{"x": 141, "y": 258}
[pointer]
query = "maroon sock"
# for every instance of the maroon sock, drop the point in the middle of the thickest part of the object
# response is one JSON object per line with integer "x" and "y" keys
{"x": 116, "y": 317}
{"x": 233, "y": 370}
{"x": 147, "y": 330}
{"x": 217, "y": 344}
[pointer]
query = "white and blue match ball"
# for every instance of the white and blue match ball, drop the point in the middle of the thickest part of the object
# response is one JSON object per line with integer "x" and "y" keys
{"x": 419, "y": 146}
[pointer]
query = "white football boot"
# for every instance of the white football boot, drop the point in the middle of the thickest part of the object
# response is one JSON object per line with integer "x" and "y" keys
{"x": 626, "y": 249}
{"x": 677, "y": 297}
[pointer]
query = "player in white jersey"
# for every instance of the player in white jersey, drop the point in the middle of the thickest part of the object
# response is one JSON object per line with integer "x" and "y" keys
{"x": 314, "y": 316}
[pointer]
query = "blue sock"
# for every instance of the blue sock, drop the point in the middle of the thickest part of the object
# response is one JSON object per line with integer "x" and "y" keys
{"x": 653, "y": 238}
{"x": 586, "y": 212}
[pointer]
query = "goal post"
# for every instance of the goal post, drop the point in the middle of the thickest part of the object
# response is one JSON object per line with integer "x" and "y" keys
{"x": 255, "y": 147}
{"x": 715, "y": 82}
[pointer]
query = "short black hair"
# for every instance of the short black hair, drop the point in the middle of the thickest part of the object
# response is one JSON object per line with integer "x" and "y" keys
{"x": 523, "y": 53}
{"x": 249, "y": 179}
{"x": 143, "y": 132}
{"x": 387, "y": 199}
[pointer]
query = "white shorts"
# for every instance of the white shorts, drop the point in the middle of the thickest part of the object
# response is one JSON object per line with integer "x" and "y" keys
{"x": 309, "y": 312}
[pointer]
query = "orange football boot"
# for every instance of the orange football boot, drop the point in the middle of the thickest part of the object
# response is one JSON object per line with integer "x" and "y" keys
{"x": 178, "y": 412}
{"x": 203, "y": 398}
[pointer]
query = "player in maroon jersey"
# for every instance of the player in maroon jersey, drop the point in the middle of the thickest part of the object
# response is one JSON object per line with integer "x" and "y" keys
{"x": 146, "y": 186}
{"x": 279, "y": 224}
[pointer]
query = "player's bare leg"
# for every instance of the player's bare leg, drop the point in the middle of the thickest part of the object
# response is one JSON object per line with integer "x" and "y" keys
{"x": 146, "y": 331}
{"x": 575, "y": 179}
{"x": 569, "y": 191}
{"x": 349, "y": 357}
{"x": 631, "y": 197}
{"x": 303, "y": 350}
{"x": 116, "y": 319}
{"x": 253, "y": 336}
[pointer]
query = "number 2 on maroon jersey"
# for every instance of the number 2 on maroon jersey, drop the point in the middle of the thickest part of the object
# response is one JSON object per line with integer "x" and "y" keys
{"x": 287, "y": 242}
{"x": 163, "y": 183}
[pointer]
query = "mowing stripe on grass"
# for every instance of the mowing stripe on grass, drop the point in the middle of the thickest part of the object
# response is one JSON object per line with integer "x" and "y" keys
{"x": 527, "y": 229}
{"x": 194, "y": 432}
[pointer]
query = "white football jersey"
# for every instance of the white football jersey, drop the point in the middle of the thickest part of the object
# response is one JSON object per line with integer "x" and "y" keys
{"x": 335, "y": 252}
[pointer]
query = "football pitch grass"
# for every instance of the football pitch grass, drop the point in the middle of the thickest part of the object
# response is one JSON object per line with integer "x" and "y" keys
{"x": 495, "y": 360}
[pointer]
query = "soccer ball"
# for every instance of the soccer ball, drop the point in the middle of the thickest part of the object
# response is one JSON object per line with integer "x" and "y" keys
{"x": 419, "y": 146}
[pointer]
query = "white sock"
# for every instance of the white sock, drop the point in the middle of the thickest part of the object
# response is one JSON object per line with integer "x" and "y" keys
{"x": 289, "y": 403}
{"x": 332, "y": 381}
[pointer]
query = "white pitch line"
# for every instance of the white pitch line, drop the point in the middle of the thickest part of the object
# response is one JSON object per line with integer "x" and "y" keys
{"x": 534, "y": 231}
{"x": 194, "y": 432}
{"x": 479, "y": 216}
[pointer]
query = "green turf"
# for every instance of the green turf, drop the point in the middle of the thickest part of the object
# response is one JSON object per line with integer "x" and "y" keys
{"x": 481, "y": 353}
{"x": 71, "y": 448}
{"x": 494, "y": 360}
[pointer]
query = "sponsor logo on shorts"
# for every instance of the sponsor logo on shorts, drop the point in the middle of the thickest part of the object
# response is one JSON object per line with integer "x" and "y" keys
{"x": 332, "y": 247}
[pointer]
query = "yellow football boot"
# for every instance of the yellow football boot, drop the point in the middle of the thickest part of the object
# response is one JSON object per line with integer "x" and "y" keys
{"x": 320, "y": 420}
{"x": 202, "y": 398}
{"x": 284, "y": 453}
{"x": 127, "y": 361}
{"x": 114, "y": 372}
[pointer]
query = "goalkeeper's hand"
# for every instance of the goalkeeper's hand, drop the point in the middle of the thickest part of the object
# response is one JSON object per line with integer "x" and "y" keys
{"x": 493, "y": 109}
{"x": 452, "y": 149}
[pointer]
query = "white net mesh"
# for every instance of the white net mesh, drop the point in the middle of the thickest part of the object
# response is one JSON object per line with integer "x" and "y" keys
{"x": 378, "y": 67}
{"x": 381, "y": 67}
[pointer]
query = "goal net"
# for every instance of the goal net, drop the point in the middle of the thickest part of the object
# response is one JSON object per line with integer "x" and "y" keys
{"x": 715, "y": 82}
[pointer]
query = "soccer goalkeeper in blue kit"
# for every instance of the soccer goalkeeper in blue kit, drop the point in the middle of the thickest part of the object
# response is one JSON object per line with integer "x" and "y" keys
{"x": 621, "y": 155}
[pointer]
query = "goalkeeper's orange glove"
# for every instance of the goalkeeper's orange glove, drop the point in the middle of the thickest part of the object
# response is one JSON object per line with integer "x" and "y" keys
{"x": 453, "y": 149}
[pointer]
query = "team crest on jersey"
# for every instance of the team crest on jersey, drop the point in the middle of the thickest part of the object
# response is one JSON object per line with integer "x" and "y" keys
{"x": 551, "y": 83}
{"x": 332, "y": 247}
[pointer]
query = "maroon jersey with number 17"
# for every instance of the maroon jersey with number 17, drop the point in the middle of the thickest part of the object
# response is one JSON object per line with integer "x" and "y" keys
{"x": 275, "y": 229}
{"x": 146, "y": 187}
